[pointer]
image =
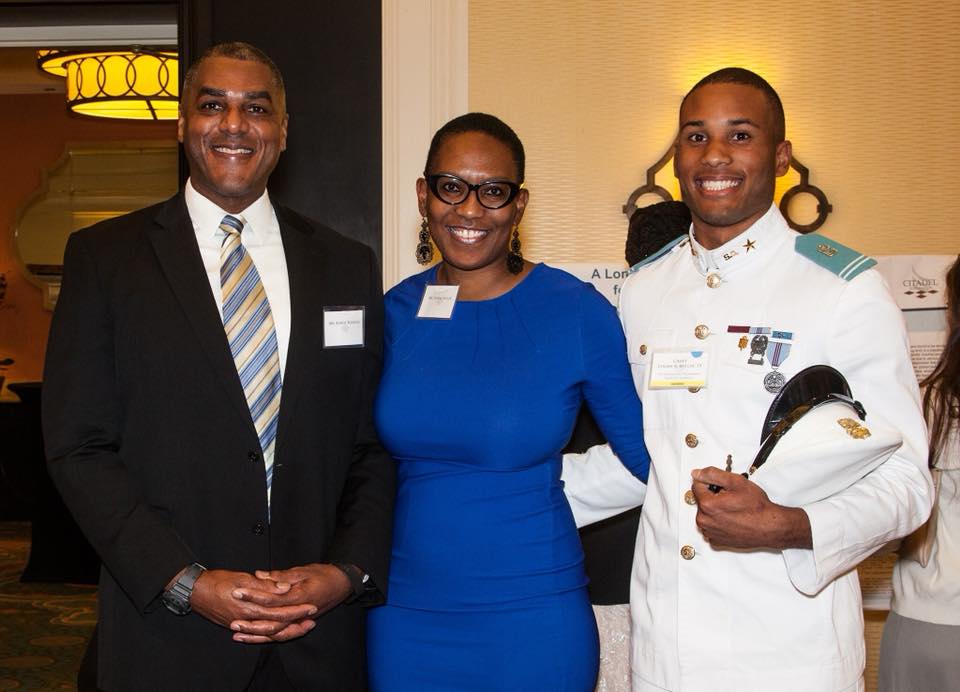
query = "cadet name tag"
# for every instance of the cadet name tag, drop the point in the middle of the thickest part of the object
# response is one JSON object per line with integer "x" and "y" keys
{"x": 678, "y": 369}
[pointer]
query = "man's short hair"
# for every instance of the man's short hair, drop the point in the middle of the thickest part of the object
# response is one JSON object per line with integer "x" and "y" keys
{"x": 743, "y": 76}
{"x": 237, "y": 50}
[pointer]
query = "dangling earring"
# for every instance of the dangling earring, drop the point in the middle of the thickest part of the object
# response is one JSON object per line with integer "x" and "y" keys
{"x": 424, "y": 248}
{"x": 515, "y": 257}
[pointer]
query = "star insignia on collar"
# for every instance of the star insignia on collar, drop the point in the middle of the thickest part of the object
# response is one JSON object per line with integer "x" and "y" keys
{"x": 750, "y": 244}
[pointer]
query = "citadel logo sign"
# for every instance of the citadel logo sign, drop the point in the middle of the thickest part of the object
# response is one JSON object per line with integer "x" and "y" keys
{"x": 916, "y": 282}
{"x": 919, "y": 287}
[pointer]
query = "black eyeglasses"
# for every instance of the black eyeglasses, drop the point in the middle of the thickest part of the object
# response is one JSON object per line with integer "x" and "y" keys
{"x": 492, "y": 194}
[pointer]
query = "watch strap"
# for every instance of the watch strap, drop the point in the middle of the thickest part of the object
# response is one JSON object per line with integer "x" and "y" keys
{"x": 177, "y": 597}
{"x": 360, "y": 582}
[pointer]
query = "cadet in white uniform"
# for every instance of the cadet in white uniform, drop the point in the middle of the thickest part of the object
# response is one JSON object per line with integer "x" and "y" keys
{"x": 730, "y": 591}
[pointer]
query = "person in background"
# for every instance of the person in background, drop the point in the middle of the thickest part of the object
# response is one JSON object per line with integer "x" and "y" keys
{"x": 488, "y": 358}
{"x": 732, "y": 590}
{"x": 920, "y": 650}
{"x": 653, "y": 227}
{"x": 207, "y": 414}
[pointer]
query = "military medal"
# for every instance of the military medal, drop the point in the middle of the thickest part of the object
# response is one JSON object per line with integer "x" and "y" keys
{"x": 743, "y": 341}
{"x": 758, "y": 346}
{"x": 777, "y": 352}
{"x": 773, "y": 381}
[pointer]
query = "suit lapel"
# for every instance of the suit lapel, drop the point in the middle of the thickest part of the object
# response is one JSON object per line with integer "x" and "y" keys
{"x": 175, "y": 245}
{"x": 305, "y": 272}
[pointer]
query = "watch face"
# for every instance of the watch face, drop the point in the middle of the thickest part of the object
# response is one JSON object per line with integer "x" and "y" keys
{"x": 177, "y": 597}
{"x": 175, "y": 605}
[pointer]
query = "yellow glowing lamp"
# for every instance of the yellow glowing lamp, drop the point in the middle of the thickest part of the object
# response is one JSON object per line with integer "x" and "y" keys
{"x": 137, "y": 84}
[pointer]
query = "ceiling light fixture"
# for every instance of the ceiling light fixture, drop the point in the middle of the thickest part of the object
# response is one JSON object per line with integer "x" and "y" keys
{"x": 137, "y": 84}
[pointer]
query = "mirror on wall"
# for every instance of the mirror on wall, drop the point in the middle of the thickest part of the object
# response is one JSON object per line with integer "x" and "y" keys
{"x": 91, "y": 182}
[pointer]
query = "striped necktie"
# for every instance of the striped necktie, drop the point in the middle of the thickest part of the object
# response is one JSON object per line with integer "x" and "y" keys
{"x": 248, "y": 323}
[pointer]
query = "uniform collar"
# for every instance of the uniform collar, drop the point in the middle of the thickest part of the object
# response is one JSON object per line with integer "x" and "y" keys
{"x": 746, "y": 250}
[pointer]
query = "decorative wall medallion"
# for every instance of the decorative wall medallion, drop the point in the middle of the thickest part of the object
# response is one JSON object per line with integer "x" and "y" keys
{"x": 651, "y": 187}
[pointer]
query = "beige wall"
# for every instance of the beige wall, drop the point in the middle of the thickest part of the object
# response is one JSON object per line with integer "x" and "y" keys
{"x": 592, "y": 88}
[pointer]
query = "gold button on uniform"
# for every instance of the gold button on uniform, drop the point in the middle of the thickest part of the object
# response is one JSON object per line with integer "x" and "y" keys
{"x": 701, "y": 331}
{"x": 690, "y": 498}
{"x": 693, "y": 390}
{"x": 687, "y": 552}
{"x": 714, "y": 280}
{"x": 643, "y": 349}
{"x": 691, "y": 440}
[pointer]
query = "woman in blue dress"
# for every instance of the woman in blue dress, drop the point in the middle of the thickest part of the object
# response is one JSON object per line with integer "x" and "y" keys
{"x": 479, "y": 394}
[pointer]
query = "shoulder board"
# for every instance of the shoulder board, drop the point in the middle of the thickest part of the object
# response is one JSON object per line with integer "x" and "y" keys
{"x": 650, "y": 259}
{"x": 832, "y": 256}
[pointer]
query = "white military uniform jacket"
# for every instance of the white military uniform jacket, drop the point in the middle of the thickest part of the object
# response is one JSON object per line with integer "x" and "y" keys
{"x": 764, "y": 620}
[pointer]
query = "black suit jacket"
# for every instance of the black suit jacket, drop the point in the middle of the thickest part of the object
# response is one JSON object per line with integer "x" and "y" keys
{"x": 151, "y": 443}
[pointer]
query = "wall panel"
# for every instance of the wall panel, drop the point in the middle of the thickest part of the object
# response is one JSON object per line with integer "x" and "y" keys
{"x": 592, "y": 88}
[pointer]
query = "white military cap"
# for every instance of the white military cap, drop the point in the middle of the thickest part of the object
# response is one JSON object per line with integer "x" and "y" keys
{"x": 826, "y": 450}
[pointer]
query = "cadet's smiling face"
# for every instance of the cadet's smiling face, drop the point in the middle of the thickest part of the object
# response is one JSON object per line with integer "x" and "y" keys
{"x": 233, "y": 126}
{"x": 727, "y": 159}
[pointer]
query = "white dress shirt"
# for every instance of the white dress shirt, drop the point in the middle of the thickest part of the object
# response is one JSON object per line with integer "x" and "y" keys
{"x": 261, "y": 238}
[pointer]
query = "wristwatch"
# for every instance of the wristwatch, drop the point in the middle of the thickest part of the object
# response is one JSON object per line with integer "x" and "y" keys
{"x": 177, "y": 597}
{"x": 360, "y": 581}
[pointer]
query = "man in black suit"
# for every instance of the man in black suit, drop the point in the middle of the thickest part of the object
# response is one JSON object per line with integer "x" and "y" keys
{"x": 185, "y": 494}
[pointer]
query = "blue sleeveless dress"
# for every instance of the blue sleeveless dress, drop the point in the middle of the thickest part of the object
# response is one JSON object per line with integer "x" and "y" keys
{"x": 487, "y": 588}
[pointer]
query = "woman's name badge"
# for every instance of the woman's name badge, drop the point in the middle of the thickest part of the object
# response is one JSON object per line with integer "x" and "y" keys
{"x": 438, "y": 302}
{"x": 678, "y": 369}
{"x": 343, "y": 326}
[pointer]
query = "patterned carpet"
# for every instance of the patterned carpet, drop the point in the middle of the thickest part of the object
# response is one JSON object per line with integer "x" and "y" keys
{"x": 43, "y": 627}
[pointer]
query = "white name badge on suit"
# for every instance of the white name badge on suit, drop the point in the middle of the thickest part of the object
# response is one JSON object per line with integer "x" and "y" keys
{"x": 343, "y": 326}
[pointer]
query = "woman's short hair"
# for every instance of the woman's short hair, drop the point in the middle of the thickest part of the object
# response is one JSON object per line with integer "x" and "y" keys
{"x": 479, "y": 122}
